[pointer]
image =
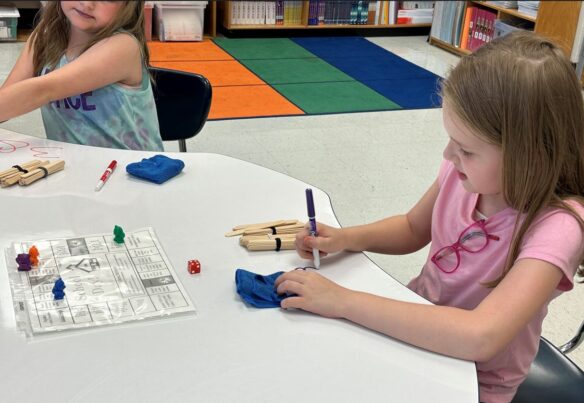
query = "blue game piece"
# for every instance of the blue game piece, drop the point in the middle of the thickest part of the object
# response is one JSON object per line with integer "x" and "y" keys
{"x": 58, "y": 289}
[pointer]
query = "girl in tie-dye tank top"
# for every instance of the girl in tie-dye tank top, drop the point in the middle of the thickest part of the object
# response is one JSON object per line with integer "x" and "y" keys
{"x": 85, "y": 66}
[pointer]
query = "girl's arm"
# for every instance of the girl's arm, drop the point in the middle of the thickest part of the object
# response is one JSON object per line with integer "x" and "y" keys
{"x": 23, "y": 68}
{"x": 115, "y": 59}
{"x": 394, "y": 235}
{"x": 476, "y": 335}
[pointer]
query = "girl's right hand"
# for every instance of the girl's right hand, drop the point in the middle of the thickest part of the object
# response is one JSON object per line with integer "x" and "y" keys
{"x": 329, "y": 240}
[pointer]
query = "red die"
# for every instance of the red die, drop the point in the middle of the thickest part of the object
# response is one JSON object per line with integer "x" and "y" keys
{"x": 194, "y": 266}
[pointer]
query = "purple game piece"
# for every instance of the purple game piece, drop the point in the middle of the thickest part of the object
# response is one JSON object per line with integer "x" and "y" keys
{"x": 23, "y": 260}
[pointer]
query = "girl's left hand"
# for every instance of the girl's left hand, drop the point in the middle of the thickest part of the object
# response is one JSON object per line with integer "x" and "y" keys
{"x": 314, "y": 293}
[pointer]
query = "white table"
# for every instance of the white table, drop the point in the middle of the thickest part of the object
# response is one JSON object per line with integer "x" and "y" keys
{"x": 228, "y": 352}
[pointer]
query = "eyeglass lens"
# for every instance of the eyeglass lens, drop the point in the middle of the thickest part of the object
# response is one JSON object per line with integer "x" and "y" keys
{"x": 473, "y": 239}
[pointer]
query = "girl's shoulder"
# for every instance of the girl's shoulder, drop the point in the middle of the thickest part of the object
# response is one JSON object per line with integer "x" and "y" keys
{"x": 119, "y": 39}
{"x": 569, "y": 218}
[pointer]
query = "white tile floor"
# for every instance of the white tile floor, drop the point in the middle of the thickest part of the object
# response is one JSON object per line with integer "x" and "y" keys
{"x": 371, "y": 164}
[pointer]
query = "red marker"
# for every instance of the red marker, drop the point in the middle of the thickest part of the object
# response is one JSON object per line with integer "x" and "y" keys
{"x": 106, "y": 174}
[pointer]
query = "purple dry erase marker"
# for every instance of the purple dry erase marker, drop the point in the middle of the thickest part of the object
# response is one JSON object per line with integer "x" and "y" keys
{"x": 312, "y": 220}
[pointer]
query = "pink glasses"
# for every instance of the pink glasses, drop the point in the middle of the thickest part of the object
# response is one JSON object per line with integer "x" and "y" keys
{"x": 473, "y": 239}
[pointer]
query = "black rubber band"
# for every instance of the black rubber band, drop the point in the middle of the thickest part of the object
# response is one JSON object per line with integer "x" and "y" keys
{"x": 21, "y": 169}
{"x": 274, "y": 232}
{"x": 278, "y": 244}
{"x": 46, "y": 173}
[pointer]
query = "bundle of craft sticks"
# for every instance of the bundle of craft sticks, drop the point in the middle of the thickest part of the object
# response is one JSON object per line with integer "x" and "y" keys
{"x": 28, "y": 172}
{"x": 271, "y": 235}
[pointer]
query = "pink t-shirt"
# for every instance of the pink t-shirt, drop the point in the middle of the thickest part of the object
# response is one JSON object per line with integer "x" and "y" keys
{"x": 555, "y": 237}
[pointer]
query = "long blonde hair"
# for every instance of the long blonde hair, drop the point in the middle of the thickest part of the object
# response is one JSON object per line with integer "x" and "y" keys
{"x": 50, "y": 37}
{"x": 521, "y": 92}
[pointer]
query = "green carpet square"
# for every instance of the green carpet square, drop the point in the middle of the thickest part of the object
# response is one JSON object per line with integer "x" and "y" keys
{"x": 291, "y": 71}
{"x": 318, "y": 98}
{"x": 270, "y": 48}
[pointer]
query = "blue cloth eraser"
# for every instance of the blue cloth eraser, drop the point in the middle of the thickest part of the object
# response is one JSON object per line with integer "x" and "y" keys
{"x": 157, "y": 169}
{"x": 258, "y": 290}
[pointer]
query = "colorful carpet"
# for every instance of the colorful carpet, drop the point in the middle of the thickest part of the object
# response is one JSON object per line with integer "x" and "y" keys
{"x": 300, "y": 76}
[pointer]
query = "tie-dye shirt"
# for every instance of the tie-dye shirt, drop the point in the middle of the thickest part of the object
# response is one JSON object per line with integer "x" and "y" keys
{"x": 114, "y": 116}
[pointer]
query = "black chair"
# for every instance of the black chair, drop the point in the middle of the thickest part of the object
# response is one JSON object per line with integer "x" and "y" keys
{"x": 553, "y": 377}
{"x": 182, "y": 101}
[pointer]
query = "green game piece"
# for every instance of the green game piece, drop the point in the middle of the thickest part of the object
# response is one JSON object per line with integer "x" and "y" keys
{"x": 119, "y": 234}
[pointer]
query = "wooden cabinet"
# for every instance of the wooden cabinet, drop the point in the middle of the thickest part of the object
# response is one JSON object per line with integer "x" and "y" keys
{"x": 555, "y": 19}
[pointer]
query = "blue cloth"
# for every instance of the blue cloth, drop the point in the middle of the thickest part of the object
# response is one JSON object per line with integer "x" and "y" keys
{"x": 157, "y": 169}
{"x": 258, "y": 290}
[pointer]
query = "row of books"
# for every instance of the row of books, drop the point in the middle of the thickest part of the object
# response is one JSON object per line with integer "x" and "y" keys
{"x": 468, "y": 26}
{"x": 331, "y": 12}
{"x": 403, "y": 12}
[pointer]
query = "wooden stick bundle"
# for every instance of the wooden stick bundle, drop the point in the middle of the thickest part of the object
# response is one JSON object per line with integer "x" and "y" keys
{"x": 270, "y": 244}
{"x": 283, "y": 229}
{"x": 41, "y": 172}
{"x": 270, "y": 235}
{"x": 11, "y": 176}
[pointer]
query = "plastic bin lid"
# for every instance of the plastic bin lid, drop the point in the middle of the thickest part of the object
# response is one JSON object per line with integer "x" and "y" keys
{"x": 185, "y": 4}
{"x": 9, "y": 12}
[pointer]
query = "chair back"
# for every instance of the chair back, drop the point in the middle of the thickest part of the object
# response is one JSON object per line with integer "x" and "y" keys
{"x": 553, "y": 377}
{"x": 182, "y": 101}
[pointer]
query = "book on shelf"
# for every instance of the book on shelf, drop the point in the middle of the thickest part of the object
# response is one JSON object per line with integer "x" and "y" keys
{"x": 528, "y": 7}
{"x": 414, "y": 16}
{"x": 504, "y": 4}
{"x": 463, "y": 25}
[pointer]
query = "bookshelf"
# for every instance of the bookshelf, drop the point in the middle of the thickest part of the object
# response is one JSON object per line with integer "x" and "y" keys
{"x": 301, "y": 14}
{"x": 555, "y": 19}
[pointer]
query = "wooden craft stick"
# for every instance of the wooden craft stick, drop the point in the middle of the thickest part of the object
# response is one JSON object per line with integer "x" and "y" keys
{"x": 39, "y": 173}
{"x": 284, "y": 229}
{"x": 240, "y": 229}
{"x": 270, "y": 244}
{"x": 13, "y": 179}
{"x": 244, "y": 240}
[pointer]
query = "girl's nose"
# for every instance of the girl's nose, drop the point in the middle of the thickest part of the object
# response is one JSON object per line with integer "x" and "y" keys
{"x": 448, "y": 152}
{"x": 87, "y": 4}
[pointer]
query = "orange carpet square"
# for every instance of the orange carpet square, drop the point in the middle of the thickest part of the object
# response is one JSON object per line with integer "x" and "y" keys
{"x": 249, "y": 101}
{"x": 219, "y": 73}
{"x": 180, "y": 51}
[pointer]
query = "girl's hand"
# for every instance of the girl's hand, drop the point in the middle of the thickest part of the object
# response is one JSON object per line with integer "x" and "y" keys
{"x": 313, "y": 293}
{"x": 329, "y": 240}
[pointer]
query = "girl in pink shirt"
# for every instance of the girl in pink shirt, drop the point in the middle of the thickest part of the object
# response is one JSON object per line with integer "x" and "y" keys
{"x": 504, "y": 218}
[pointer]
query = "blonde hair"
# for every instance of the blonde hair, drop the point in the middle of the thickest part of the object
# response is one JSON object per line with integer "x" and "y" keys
{"x": 50, "y": 38}
{"x": 520, "y": 92}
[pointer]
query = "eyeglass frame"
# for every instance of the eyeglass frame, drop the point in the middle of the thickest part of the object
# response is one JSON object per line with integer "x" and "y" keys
{"x": 458, "y": 245}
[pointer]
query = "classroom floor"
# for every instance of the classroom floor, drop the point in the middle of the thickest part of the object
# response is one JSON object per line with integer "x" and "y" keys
{"x": 372, "y": 165}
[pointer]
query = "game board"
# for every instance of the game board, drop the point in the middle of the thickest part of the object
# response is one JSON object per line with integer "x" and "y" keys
{"x": 106, "y": 282}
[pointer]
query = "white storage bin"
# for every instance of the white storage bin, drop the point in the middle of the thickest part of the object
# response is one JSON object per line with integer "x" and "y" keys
{"x": 180, "y": 20}
{"x": 8, "y": 23}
